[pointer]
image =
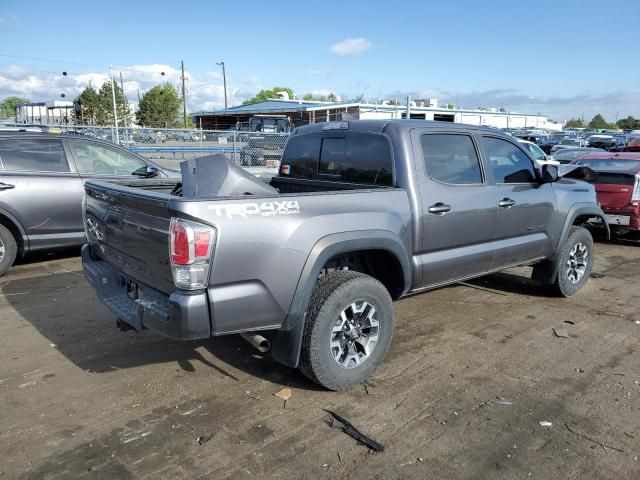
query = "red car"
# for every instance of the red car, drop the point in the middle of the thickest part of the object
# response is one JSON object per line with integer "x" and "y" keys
{"x": 617, "y": 187}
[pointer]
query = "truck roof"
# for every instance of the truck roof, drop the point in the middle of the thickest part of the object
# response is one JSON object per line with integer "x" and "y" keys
{"x": 379, "y": 126}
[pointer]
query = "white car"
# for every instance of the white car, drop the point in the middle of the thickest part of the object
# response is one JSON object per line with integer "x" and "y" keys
{"x": 538, "y": 155}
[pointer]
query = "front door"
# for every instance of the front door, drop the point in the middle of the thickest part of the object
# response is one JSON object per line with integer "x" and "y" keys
{"x": 458, "y": 208}
{"x": 526, "y": 207}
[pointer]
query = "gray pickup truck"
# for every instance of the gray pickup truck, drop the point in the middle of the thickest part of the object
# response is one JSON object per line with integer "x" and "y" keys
{"x": 361, "y": 213}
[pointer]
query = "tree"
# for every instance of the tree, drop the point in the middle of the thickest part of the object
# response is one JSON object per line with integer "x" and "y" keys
{"x": 629, "y": 123}
{"x": 263, "y": 95}
{"x": 105, "y": 110}
{"x": 89, "y": 102}
{"x": 311, "y": 98}
{"x": 160, "y": 107}
{"x": 9, "y": 104}
{"x": 599, "y": 122}
{"x": 575, "y": 123}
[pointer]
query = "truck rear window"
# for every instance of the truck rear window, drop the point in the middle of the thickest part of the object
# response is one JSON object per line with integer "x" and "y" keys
{"x": 353, "y": 157}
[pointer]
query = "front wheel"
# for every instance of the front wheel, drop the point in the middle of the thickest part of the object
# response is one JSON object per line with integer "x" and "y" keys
{"x": 348, "y": 330}
{"x": 8, "y": 249}
{"x": 575, "y": 263}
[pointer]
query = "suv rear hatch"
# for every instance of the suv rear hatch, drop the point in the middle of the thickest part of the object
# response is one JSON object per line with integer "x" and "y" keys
{"x": 129, "y": 228}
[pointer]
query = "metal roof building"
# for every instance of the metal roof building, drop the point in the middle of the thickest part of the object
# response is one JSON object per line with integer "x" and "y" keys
{"x": 301, "y": 112}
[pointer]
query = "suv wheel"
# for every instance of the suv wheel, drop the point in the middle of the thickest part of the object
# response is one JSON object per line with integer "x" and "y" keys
{"x": 575, "y": 263}
{"x": 8, "y": 249}
{"x": 348, "y": 330}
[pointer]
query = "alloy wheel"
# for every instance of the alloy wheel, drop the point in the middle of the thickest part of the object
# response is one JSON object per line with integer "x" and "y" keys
{"x": 354, "y": 334}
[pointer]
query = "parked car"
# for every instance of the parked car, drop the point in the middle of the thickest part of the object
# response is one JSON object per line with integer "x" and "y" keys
{"x": 149, "y": 136}
{"x": 41, "y": 187}
{"x": 633, "y": 145}
{"x": 568, "y": 155}
{"x": 362, "y": 212}
{"x": 569, "y": 142}
{"x": 537, "y": 153}
{"x": 617, "y": 187}
{"x": 621, "y": 143}
{"x": 601, "y": 141}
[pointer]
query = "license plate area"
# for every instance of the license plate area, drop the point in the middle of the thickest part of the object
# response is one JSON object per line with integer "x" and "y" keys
{"x": 617, "y": 219}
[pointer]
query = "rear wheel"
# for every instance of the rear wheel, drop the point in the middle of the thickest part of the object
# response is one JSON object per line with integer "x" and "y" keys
{"x": 348, "y": 330}
{"x": 8, "y": 249}
{"x": 575, "y": 263}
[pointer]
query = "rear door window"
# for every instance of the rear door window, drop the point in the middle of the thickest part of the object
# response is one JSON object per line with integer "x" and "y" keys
{"x": 33, "y": 155}
{"x": 451, "y": 159}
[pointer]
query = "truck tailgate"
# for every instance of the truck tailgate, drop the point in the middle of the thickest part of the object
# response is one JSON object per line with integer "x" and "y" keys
{"x": 129, "y": 228}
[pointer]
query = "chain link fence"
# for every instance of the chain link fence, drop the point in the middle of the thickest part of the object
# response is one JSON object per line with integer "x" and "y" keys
{"x": 245, "y": 148}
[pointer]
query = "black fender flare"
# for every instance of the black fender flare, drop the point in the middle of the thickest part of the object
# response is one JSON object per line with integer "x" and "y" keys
{"x": 287, "y": 341}
{"x": 546, "y": 271}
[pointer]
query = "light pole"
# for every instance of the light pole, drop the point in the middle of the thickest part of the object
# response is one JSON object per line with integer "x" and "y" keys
{"x": 224, "y": 81}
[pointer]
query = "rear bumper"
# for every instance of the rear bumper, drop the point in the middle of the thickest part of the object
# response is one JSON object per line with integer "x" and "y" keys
{"x": 181, "y": 316}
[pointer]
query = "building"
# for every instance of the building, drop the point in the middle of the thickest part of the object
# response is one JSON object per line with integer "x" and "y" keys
{"x": 53, "y": 112}
{"x": 301, "y": 112}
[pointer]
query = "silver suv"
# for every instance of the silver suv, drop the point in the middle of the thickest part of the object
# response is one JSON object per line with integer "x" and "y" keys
{"x": 42, "y": 185}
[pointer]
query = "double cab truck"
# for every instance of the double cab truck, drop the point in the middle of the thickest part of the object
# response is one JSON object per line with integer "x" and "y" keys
{"x": 362, "y": 213}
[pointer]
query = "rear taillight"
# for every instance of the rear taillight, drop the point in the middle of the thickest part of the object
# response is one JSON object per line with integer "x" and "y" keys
{"x": 635, "y": 196}
{"x": 191, "y": 247}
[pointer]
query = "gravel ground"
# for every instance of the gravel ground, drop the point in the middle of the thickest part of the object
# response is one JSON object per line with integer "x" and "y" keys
{"x": 473, "y": 370}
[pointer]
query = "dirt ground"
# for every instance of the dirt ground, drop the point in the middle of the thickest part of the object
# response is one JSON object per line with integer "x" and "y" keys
{"x": 82, "y": 400}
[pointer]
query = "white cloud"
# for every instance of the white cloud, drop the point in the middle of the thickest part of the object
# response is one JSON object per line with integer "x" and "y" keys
{"x": 350, "y": 46}
{"x": 203, "y": 92}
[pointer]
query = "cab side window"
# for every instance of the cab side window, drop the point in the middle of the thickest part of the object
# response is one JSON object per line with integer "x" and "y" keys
{"x": 451, "y": 159}
{"x": 508, "y": 163}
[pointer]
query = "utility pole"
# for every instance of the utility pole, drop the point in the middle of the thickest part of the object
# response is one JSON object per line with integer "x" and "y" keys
{"x": 224, "y": 80}
{"x": 184, "y": 96}
{"x": 126, "y": 101}
{"x": 113, "y": 96}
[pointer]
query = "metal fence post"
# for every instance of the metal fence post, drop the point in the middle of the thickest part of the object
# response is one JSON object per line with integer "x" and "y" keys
{"x": 235, "y": 160}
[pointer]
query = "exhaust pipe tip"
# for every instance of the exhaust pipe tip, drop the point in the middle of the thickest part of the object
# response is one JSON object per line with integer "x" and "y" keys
{"x": 257, "y": 341}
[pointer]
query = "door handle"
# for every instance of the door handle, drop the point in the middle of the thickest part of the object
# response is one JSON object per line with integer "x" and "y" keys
{"x": 506, "y": 203}
{"x": 439, "y": 208}
{"x": 6, "y": 186}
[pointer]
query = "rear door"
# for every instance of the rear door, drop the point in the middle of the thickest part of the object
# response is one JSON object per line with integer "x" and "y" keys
{"x": 526, "y": 207}
{"x": 41, "y": 190}
{"x": 458, "y": 207}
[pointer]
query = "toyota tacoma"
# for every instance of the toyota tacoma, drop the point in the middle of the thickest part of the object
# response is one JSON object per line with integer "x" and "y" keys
{"x": 361, "y": 213}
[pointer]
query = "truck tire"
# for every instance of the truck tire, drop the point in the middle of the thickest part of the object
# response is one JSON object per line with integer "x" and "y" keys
{"x": 8, "y": 250}
{"x": 348, "y": 330}
{"x": 575, "y": 263}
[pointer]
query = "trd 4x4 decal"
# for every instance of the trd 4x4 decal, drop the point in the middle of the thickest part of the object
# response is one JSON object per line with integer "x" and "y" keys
{"x": 263, "y": 209}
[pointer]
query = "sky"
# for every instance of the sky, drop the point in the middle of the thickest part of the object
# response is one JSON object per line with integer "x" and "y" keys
{"x": 562, "y": 58}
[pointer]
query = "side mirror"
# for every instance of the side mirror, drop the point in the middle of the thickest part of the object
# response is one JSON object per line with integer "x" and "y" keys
{"x": 549, "y": 173}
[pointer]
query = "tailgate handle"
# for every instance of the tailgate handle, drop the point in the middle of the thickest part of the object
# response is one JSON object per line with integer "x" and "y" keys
{"x": 6, "y": 186}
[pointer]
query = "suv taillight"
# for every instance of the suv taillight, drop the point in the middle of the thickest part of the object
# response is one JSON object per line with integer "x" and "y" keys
{"x": 635, "y": 196}
{"x": 191, "y": 247}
